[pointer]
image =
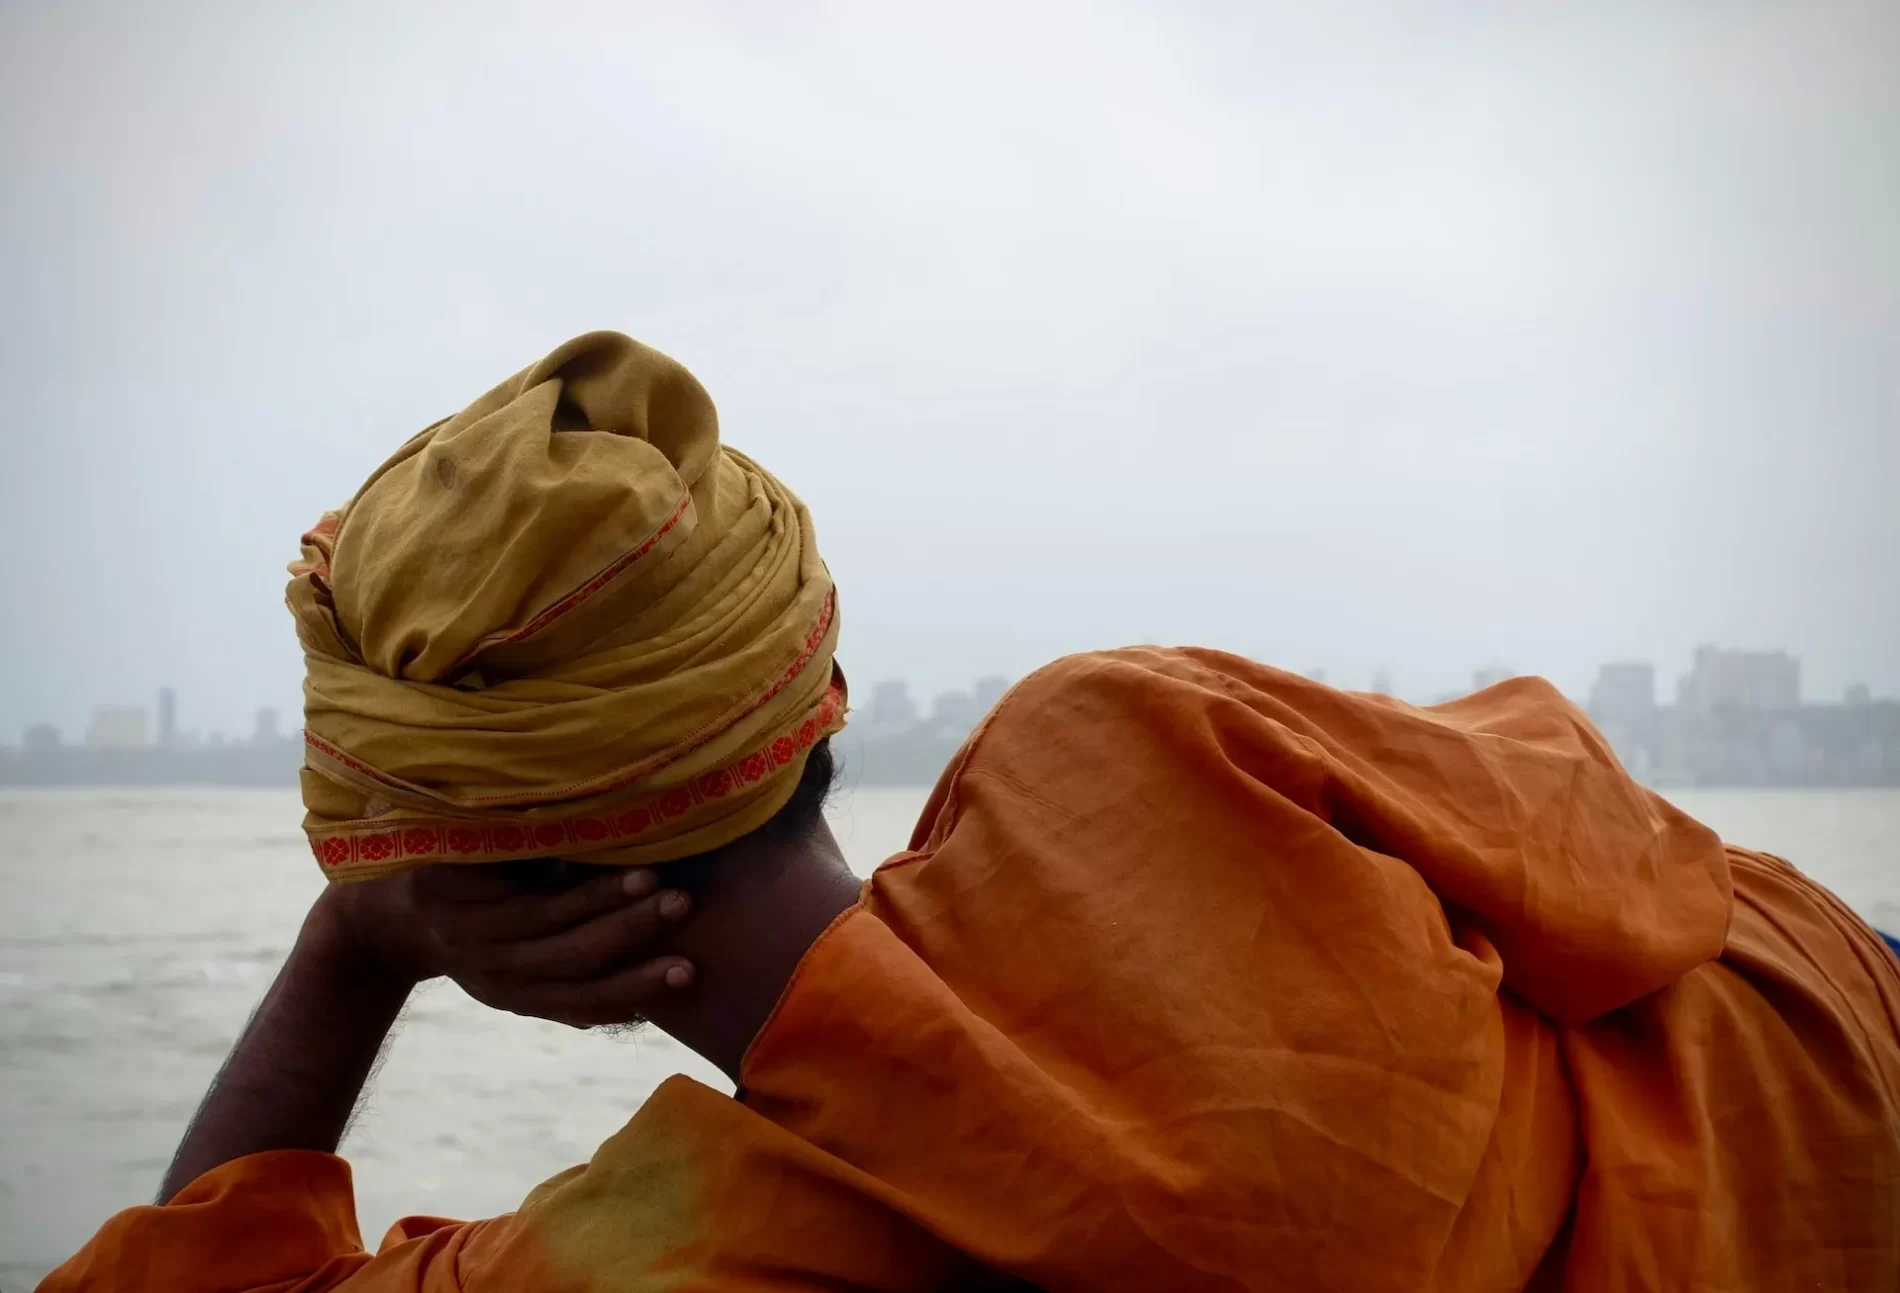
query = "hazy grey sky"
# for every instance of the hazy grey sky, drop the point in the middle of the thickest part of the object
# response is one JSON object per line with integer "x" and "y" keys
{"x": 1414, "y": 335}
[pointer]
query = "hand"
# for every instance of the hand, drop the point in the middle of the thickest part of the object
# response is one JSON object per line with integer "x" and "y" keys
{"x": 573, "y": 949}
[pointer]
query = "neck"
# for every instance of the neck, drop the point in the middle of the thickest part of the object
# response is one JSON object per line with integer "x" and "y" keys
{"x": 764, "y": 901}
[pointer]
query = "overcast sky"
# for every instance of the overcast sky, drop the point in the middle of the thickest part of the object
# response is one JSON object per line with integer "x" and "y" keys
{"x": 1416, "y": 336}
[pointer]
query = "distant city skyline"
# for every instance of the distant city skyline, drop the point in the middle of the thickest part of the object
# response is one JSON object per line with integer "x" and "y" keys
{"x": 123, "y": 725}
{"x": 1333, "y": 335}
{"x": 1735, "y": 718}
{"x": 130, "y": 727}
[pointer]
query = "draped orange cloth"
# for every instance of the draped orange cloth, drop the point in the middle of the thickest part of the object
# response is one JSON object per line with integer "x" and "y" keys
{"x": 1200, "y": 975}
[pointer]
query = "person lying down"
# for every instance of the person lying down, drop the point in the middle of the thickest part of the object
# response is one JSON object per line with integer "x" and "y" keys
{"x": 1196, "y": 974}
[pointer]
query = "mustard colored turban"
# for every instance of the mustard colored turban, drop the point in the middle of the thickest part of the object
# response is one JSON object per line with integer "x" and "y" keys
{"x": 566, "y": 622}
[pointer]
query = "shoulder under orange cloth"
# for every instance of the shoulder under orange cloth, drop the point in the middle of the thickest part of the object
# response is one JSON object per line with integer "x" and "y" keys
{"x": 1202, "y": 976}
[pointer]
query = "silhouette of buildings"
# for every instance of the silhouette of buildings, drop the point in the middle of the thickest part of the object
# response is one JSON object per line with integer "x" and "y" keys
{"x": 955, "y": 710}
{"x": 1737, "y": 720}
{"x": 116, "y": 727}
{"x": 989, "y": 691}
{"x": 1730, "y": 681}
{"x": 1490, "y": 676}
{"x": 891, "y": 708}
{"x": 1625, "y": 692}
{"x": 117, "y": 752}
{"x": 889, "y": 744}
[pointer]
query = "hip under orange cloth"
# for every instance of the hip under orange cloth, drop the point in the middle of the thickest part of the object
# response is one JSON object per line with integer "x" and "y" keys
{"x": 1199, "y": 975}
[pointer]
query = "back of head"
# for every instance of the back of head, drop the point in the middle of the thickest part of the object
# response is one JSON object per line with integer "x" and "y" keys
{"x": 566, "y": 621}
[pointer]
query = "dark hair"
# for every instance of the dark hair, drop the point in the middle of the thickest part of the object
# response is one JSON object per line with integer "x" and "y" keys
{"x": 815, "y": 784}
{"x": 799, "y": 814}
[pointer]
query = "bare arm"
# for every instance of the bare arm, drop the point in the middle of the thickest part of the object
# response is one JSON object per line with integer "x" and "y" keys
{"x": 294, "y": 1077}
{"x": 573, "y": 954}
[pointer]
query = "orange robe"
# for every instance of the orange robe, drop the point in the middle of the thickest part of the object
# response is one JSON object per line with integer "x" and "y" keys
{"x": 1199, "y": 975}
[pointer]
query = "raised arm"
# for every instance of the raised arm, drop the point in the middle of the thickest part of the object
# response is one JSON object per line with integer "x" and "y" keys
{"x": 566, "y": 950}
{"x": 255, "y": 1197}
{"x": 294, "y": 1077}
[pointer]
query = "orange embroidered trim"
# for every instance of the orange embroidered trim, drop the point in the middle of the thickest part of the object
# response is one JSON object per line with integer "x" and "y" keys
{"x": 451, "y": 840}
{"x": 610, "y": 572}
{"x": 613, "y": 781}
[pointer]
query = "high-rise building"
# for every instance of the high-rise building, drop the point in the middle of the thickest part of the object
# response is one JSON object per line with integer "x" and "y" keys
{"x": 116, "y": 727}
{"x": 955, "y": 710}
{"x": 1727, "y": 681}
{"x": 891, "y": 708}
{"x": 1382, "y": 682}
{"x": 264, "y": 732}
{"x": 41, "y": 736}
{"x": 167, "y": 717}
{"x": 1624, "y": 692}
{"x": 989, "y": 691}
{"x": 1490, "y": 676}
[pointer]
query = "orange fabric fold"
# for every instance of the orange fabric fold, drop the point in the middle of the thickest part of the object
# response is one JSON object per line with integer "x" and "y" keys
{"x": 1200, "y": 976}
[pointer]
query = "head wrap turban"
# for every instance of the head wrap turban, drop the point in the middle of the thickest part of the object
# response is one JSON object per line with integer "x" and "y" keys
{"x": 566, "y": 622}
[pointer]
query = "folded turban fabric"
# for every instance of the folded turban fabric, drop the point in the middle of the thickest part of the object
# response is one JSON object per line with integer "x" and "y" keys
{"x": 565, "y": 622}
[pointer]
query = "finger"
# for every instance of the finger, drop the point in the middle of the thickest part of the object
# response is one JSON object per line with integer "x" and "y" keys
{"x": 521, "y": 917}
{"x": 460, "y": 882}
{"x": 616, "y": 998}
{"x": 590, "y": 949}
{"x": 545, "y": 875}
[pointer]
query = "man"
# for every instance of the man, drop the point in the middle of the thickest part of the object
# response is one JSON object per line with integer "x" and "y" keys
{"x": 1197, "y": 974}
